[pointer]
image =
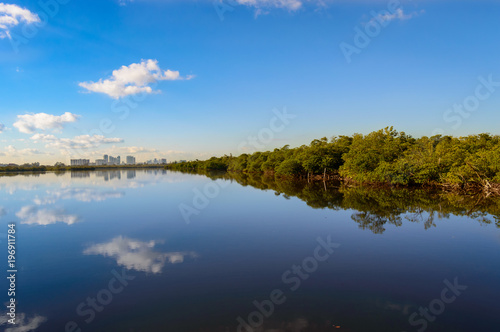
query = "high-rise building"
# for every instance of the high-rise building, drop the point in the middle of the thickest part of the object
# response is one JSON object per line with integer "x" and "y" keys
{"x": 114, "y": 161}
{"x": 130, "y": 160}
{"x": 80, "y": 162}
{"x": 163, "y": 161}
{"x": 106, "y": 159}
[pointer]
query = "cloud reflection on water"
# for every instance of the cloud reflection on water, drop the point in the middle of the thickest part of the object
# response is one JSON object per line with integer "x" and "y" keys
{"x": 137, "y": 255}
{"x": 80, "y": 194}
{"x": 23, "y": 324}
{"x": 32, "y": 215}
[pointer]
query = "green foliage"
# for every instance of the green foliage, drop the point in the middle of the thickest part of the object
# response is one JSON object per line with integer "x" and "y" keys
{"x": 256, "y": 161}
{"x": 239, "y": 164}
{"x": 289, "y": 167}
{"x": 370, "y": 157}
{"x": 384, "y": 156}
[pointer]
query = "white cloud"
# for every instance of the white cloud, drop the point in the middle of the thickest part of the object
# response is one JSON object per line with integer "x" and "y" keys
{"x": 132, "y": 150}
{"x": 13, "y": 15}
{"x": 133, "y": 79}
{"x": 13, "y": 152}
{"x": 79, "y": 194}
{"x": 23, "y": 324}
{"x": 31, "y": 215}
{"x": 291, "y": 5}
{"x": 28, "y": 123}
{"x": 137, "y": 255}
{"x": 78, "y": 142}
{"x": 264, "y": 6}
{"x": 399, "y": 14}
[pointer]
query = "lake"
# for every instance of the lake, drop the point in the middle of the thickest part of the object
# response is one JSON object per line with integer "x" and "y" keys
{"x": 153, "y": 250}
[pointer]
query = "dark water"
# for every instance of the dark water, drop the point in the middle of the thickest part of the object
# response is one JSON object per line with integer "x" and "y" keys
{"x": 157, "y": 251}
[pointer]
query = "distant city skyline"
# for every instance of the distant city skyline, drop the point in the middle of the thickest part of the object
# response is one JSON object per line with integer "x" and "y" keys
{"x": 106, "y": 160}
{"x": 110, "y": 160}
{"x": 190, "y": 80}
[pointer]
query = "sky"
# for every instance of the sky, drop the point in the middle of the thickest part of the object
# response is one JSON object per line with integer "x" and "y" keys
{"x": 196, "y": 78}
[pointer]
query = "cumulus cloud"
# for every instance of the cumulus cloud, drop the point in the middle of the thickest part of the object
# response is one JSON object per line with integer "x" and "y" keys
{"x": 80, "y": 194}
{"x": 265, "y": 6}
{"x": 133, "y": 150}
{"x": 133, "y": 79}
{"x": 78, "y": 142}
{"x": 23, "y": 324}
{"x": 28, "y": 123}
{"x": 13, "y": 15}
{"x": 13, "y": 152}
{"x": 31, "y": 215}
{"x": 137, "y": 255}
{"x": 291, "y": 5}
{"x": 399, "y": 14}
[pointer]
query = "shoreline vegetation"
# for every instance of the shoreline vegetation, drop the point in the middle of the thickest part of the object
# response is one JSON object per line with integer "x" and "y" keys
{"x": 383, "y": 158}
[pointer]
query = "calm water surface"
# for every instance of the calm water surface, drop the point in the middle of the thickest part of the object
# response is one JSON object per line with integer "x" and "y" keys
{"x": 150, "y": 250}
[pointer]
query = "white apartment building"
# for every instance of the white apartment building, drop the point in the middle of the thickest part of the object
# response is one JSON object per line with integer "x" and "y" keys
{"x": 80, "y": 162}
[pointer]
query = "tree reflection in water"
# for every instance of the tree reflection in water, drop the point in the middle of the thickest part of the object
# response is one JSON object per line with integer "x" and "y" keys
{"x": 374, "y": 208}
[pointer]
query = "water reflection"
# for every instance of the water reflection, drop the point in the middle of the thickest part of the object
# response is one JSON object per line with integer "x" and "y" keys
{"x": 376, "y": 208}
{"x": 109, "y": 175}
{"x": 80, "y": 175}
{"x": 32, "y": 215}
{"x": 12, "y": 187}
{"x": 291, "y": 325}
{"x": 403, "y": 308}
{"x": 373, "y": 285}
{"x": 80, "y": 194}
{"x": 137, "y": 255}
{"x": 23, "y": 324}
{"x": 296, "y": 325}
{"x": 80, "y": 186}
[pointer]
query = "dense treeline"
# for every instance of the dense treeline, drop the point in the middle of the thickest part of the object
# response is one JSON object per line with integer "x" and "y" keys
{"x": 383, "y": 157}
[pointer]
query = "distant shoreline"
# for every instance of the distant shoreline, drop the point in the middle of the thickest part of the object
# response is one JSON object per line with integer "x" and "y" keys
{"x": 34, "y": 169}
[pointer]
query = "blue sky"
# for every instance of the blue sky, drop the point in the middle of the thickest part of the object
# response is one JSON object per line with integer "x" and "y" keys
{"x": 195, "y": 85}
